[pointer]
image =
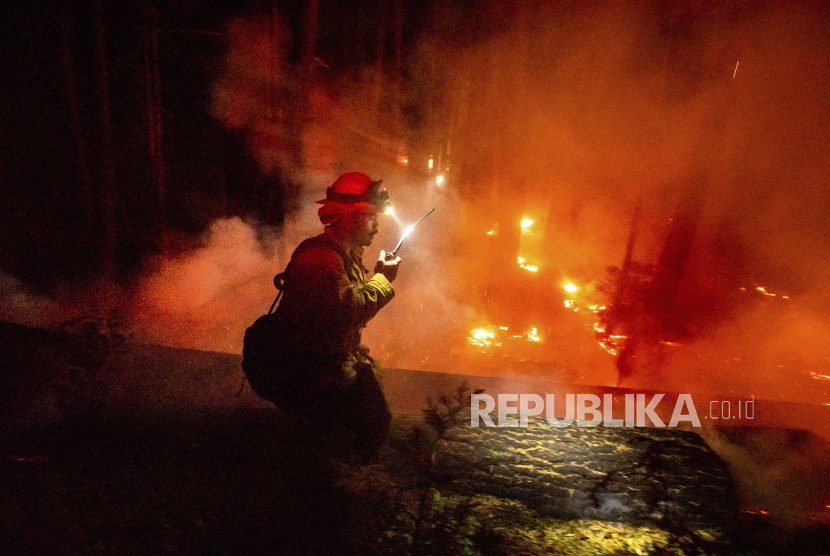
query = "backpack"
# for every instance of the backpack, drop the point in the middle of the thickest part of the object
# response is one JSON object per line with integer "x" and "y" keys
{"x": 268, "y": 363}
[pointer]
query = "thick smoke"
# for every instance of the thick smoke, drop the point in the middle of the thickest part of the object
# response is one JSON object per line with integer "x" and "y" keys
{"x": 575, "y": 117}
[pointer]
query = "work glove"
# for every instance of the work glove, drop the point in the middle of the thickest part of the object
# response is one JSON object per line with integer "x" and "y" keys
{"x": 387, "y": 268}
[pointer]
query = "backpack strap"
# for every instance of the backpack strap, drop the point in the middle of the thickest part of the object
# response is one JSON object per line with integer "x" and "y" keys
{"x": 312, "y": 242}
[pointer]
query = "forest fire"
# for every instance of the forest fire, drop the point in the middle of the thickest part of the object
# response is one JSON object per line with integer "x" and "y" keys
{"x": 618, "y": 210}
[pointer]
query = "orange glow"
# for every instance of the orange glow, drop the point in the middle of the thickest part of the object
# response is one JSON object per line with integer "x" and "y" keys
{"x": 439, "y": 180}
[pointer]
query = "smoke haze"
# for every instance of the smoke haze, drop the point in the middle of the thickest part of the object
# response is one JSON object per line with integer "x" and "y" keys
{"x": 572, "y": 116}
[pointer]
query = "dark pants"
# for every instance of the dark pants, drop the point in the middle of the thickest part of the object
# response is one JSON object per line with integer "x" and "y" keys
{"x": 354, "y": 411}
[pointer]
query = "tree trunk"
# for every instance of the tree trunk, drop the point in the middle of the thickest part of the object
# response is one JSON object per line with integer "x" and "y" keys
{"x": 110, "y": 261}
{"x": 80, "y": 143}
{"x": 154, "y": 117}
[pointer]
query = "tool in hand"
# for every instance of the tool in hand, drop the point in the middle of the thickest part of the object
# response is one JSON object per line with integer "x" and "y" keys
{"x": 394, "y": 252}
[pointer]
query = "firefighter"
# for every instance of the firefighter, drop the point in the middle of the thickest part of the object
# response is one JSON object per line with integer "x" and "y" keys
{"x": 327, "y": 300}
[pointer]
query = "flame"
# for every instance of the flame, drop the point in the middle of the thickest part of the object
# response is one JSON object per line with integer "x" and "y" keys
{"x": 569, "y": 302}
{"x": 493, "y": 336}
{"x": 530, "y": 267}
{"x": 481, "y": 337}
{"x": 764, "y": 291}
{"x": 570, "y": 288}
{"x": 526, "y": 224}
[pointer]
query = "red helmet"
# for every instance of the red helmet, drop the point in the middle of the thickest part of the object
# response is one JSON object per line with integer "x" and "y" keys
{"x": 356, "y": 192}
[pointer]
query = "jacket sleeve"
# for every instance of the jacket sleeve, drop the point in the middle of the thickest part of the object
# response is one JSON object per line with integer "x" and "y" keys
{"x": 329, "y": 290}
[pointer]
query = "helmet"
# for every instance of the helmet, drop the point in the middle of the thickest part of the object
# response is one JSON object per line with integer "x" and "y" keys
{"x": 355, "y": 192}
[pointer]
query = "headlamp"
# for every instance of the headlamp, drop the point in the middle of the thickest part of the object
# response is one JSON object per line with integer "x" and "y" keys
{"x": 375, "y": 194}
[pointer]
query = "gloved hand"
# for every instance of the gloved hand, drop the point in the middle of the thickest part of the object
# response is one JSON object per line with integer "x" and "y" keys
{"x": 387, "y": 268}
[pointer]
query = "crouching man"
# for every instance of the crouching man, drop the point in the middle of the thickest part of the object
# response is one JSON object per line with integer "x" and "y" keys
{"x": 327, "y": 300}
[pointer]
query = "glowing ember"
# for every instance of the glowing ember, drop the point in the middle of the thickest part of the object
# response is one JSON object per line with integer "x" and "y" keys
{"x": 569, "y": 302}
{"x": 530, "y": 267}
{"x": 439, "y": 180}
{"x": 491, "y": 232}
{"x": 819, "y": 377}
{"x": 532, "y": 336}
{"x": 431, "y": 163}
{"x": 570, "y": 288}
{"x": 526, "y": 224}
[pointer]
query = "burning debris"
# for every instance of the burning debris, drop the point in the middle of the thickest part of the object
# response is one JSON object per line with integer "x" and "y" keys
{"x": 491, "y": 336}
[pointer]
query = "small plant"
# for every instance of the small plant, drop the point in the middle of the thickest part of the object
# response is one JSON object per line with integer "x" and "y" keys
{"x": 437, "y": 524}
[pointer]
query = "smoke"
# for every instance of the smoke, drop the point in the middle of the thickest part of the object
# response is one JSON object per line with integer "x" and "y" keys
{"x": 575, "y": 116}
{"x": 206, "y": 298}
{"x": 778, "y": 472}
{"x": 571, "y": 116}
{"x": 307, "y": 125}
